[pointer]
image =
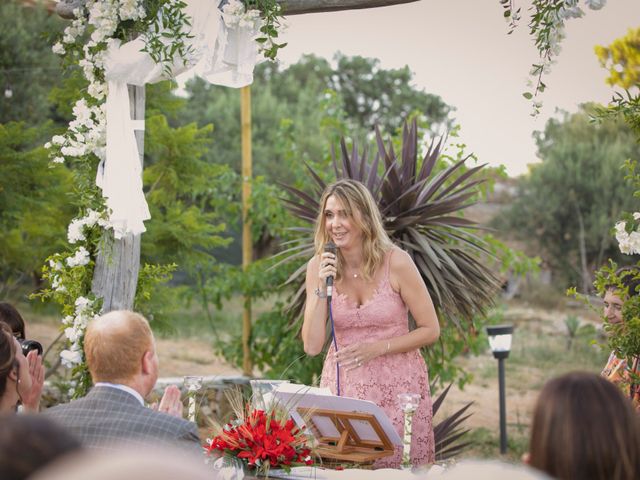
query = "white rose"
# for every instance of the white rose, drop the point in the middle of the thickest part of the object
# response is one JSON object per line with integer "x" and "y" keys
{"x": 72, "y": 334}
{"x": 70, "y": 358}
{"x": 80, "y": 258}
{"x": 82, "y": 302}
{"x": 58, "y": 49}
{"x": 74, "y": 232}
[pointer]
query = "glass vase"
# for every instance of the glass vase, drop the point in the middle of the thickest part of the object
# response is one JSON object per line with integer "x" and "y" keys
{"x": 409, "y": 404}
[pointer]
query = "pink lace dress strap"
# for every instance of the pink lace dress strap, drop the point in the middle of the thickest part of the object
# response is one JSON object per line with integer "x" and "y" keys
{"x": 387, "y": 266}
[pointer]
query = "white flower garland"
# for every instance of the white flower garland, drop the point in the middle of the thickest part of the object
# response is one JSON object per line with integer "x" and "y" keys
{"x": 547, "y": 26}
{"x": 85, "y": 136}
{"x": 70, "y": 273}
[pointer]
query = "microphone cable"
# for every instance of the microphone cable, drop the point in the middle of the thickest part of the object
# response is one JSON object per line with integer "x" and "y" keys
{"x": 335, "y": 343}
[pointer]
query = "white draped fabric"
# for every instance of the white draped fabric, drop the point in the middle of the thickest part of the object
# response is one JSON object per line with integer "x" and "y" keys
{"x": 220, "y": 55}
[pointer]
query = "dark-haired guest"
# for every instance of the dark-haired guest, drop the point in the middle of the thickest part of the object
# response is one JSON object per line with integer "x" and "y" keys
{"x": 30, "y": 400}
{"x": 620, "y": 371}
{"x": 16, "y": 374}
{"x": 584, "y": 428}
{"x": 30, "y": 442}
{"x": 11, "y": 316}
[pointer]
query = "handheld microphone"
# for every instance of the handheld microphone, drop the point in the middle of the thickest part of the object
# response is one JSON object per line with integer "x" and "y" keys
{"x": 330, "y": 247}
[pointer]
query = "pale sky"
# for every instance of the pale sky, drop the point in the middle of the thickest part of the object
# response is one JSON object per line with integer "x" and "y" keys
{"x": 460, "y": 50}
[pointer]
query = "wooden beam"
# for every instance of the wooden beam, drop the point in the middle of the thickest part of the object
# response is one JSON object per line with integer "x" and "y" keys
{"x": 297, "y": 7}
{"x": 289, "y": 7}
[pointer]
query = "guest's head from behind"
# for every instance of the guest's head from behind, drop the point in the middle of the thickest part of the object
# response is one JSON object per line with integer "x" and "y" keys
{"x": 15, "y": 379}
{"x": 490, "y": 470}
{"x": 583, "y": 427}
{"x": 350, "y": 218}
{"x": 29, "y": 443}
{"x": 11, "y": 316}
{"x": 135, "y": 464}
{"x": 616, "y": 293}
{"x": 120, "y": 349}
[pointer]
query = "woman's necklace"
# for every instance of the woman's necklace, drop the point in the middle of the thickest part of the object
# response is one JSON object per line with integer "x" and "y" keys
{"x": 355, "y": 274}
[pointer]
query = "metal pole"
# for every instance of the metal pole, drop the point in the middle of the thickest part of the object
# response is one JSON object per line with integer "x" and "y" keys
{"x": 503, "y": 408}
{"x": 247, "y": 245}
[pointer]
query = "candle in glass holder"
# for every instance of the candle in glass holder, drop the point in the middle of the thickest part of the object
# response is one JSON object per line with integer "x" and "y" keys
{"x": 192, "y": 383}
{"x": 409, "y": 403}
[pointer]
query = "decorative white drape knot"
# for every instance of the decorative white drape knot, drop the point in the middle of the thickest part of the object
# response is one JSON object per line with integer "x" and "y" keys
{"x": 219, "y": 54}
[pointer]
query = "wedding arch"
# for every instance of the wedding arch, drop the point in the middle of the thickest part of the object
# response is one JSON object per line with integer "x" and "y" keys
{"x": 120, "y": 46}
{"x": 129, "y": 46}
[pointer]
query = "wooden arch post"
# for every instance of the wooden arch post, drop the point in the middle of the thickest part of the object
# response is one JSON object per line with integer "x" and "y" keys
{"x": 247, "y": 244}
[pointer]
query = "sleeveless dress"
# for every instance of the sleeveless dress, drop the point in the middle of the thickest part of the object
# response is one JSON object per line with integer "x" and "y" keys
{"x": 379, "y": 380}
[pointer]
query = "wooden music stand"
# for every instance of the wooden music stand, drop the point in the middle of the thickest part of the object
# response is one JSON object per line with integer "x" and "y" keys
{"x": 348, "y": 443}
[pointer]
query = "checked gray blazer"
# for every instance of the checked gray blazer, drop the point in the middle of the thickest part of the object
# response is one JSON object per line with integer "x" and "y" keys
{"x": 109, "y": 418}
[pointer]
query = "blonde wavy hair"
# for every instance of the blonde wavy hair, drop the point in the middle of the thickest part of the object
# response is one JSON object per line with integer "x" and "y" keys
{"x": 361, "y": 208}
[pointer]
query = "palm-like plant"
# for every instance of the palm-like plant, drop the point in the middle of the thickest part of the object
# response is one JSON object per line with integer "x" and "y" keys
{"x": 420, "y": 202}
{"x": 449, "y": 433}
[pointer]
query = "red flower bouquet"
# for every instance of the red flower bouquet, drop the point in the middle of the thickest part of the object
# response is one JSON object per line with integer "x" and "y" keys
{"x": 262, "y": 440}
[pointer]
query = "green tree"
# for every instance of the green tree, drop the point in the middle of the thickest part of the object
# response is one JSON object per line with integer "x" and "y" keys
{"x": 34, "y": 207}
{"x": 373, "y": 95}
{"x": 313, "y": 103}
{"x": 28, "y": 67}
{"x": 566, "y": 204}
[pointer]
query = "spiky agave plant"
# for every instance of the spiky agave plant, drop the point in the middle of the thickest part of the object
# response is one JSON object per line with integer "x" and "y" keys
{"x": 420, "y": 201}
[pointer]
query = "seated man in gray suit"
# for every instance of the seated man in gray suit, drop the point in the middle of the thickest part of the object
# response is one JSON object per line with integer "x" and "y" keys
{"x": 121, "y": 355}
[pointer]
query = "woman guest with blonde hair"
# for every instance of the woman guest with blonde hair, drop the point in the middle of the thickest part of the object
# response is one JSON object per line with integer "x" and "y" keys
{"x": 584, "y": 428}
{"x": 373, "y": 355}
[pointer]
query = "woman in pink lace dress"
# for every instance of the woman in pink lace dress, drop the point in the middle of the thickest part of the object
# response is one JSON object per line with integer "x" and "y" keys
{"x": 376, "y": 285}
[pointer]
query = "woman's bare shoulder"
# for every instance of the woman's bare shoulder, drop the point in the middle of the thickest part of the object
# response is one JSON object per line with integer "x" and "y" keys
{"x": 399, "y": 259}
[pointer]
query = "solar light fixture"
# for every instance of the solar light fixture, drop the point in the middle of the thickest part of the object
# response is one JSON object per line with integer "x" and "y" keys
{"x": 500, "y": 343}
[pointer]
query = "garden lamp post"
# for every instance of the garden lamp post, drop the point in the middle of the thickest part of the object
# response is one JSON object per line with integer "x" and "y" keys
{"x": 500, "y": 343}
